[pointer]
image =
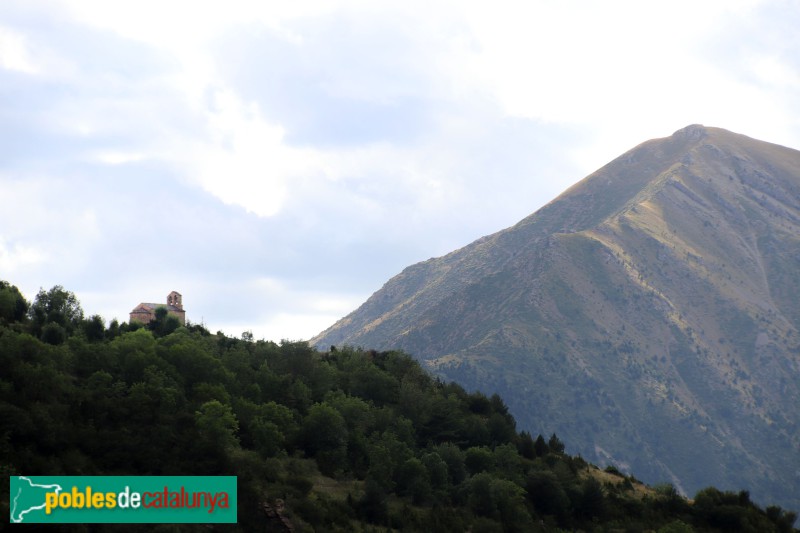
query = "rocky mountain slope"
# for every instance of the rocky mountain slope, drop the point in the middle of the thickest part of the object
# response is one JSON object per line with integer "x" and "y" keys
{"x": 649, "y": 315}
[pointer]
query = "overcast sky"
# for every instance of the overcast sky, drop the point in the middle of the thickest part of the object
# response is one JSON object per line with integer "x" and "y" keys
{"x": 277, "y": 162}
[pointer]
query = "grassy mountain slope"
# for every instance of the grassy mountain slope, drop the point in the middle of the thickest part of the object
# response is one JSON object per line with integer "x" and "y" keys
{"x": 649, "y": 314}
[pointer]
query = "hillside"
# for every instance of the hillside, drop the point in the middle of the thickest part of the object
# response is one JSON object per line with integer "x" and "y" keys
{"x": 345, "y": 440}
{"x": 649, "y": 314}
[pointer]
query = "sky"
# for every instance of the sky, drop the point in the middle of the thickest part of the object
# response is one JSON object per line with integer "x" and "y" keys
{"x": 277, "y": 162}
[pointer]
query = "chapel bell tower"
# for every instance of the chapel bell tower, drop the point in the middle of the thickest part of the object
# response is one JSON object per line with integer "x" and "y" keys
{"x": 175, "y": 299}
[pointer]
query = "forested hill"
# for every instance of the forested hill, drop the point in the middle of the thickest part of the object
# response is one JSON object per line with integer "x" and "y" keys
{"x": 346, "y": 440}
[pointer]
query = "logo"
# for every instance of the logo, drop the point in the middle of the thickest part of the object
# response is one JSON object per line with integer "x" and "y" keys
{"x": 122, "y": 499}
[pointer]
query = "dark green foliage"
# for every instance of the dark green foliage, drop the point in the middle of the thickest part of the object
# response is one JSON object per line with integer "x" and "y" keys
{"x": 546, "y": 494}
{"x": 540, "y": 447}
{"x": 526, "y": 445}
{"x": 163, "y": 323}
{"x": 323, "y": 435}
{"x": 373, "y": 505}
{"x": 13, "y": 306}
{"x": 113, "y": 329}
{"x": 56, "y": 306}
{"x": 345, "y": 440}
{"x": 453, "y": 457}
{"x": 478, "y": 459}
{"x": 217, "y": 425}
{"x": 731, "y": 511}
{"x": 53, "y": 333}
{"x": 94, "y": 328}
{"x": 590, "y": 503}
{"x": 413, "y": 480}
{"x": 555, "y": 445}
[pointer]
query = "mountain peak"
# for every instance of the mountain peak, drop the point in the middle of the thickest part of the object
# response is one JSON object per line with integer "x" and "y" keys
{"x": 693, "y": 132}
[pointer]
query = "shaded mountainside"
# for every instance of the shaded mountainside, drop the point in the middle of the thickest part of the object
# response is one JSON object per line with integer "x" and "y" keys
{"x": 649, "y": 314}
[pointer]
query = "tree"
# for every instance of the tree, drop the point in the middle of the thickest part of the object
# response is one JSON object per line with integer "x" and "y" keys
{"x": 267, "y": 437}
{"x": 373, "y": 505}
{"x": 57, "y": 306}
{"x": 498, "y": 405}
{"x": 437, "y": 470}
{"x": 509, "y": 499}
{"x": 479, "y": 496}
{"x": 135, "y": 351}
{"x": 546, "y": 494}
{"x": 670, "y": 498}
{"x": 413, "y": 480}
{"x": 217, "y": 424}
{"x": 591, "y": 501}
{"x": 454, "y": 458}
{"x": 354, "y": 410}
{"x": 555, "y": 445}
{"x": 53, "y": 333}
{"x": 375, "y": 385}
{"x": 324, "y": 436}
{"x": 500, "y": 430}
{"x": 479, "y": 459}
{"x": 13, "y": 305}
{"x": 113, "y": 329}
{"x": 540, "y": 447}
{"x": 507, "y": 462}
{"x": 525, "y": 445}
{"x": 164, "y": 323}
{"x": 480, "y": 404}
{"x": 783, "y": 520}
{"x": 94, "y": 328}
{"x": 381, "y": 466}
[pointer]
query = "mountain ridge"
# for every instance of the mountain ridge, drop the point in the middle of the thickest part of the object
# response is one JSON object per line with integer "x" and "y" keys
{"x": 663, "y": 279}
{"x": 574, "y": 194}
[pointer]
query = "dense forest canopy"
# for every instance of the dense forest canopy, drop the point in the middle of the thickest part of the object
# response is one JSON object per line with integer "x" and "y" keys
{"x": 345, "y": 440}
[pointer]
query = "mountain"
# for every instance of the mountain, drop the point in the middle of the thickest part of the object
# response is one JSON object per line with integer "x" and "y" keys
{"x": 649, "y": 315}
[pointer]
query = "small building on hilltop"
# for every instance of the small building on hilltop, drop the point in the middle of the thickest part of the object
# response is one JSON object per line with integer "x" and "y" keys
{"x": 145, "y": 312}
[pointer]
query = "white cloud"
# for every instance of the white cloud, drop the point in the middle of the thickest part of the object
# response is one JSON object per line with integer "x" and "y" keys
{"x": 621, "y": 72}
{"x": 771, "y": 71}
{"x": 15, "y": 53}
{"x": 116, "y": 157}
{"x": 246, "y": 162}
{"x": 16, "y": 257}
